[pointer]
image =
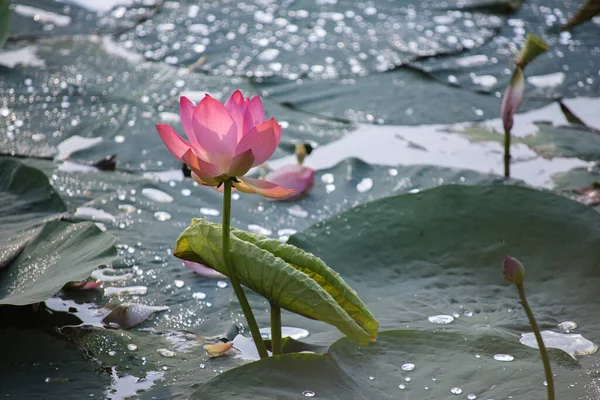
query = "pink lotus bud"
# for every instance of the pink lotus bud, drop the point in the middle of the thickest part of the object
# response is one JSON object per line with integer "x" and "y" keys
{"x": 513, "y": 270}
{"x": 295, "y": 177}
{"x": 225, "y": 141}
{"x": 512, "y": 98}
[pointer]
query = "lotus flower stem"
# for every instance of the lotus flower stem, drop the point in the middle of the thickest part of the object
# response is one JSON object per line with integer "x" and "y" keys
{"x": 235, "y": 282}
{"x": 276, "y": 330}
{"x": 540, "y": 341}
{"x": 507, "y": 154}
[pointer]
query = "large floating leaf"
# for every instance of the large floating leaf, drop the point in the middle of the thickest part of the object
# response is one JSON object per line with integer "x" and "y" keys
{"x": 295, "y": 280}
{"x": 60, "y": 253}
{"x": 403, "y": 364}
{"x": 26, "y": 200}
{"x": 439, "y": 252}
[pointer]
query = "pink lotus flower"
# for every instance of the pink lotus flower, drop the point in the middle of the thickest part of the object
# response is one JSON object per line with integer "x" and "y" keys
{"x": 295, "y": 177}
{"x": 225, "y": 141}
{"x": 202, "y": 270}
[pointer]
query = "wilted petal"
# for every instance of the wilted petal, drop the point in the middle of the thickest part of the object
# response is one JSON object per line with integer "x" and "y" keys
{"x": 294, "y": 177}
{"x": 254, "y": 115}
{"x": 262, "y": 140}
{"x": 512, "y": 99}
{"x": 262, "y": 187}
{"x": 218, "y": 350}
{"x": 199, "y": 166}
{"x": 241, "y": 163}
{"x": 202, "y": 270}
{"x": 215, "y": 131}
{"x": 128, "y": 315}
{"x": 236, "y": 105}
{"x": 176, "y": 145}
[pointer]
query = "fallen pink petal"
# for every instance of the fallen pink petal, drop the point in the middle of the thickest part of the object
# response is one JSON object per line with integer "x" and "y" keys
{"x": 295, "y": 177}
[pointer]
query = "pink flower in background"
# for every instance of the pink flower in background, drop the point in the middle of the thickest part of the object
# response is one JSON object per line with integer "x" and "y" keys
{"x": 202, "y": 270}
{"x": 295, "y": 177}
{"x": 513, "y": 270}
{"x": 225, "y": 141}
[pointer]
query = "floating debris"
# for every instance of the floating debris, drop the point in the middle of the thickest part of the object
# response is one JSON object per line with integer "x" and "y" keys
{"x": 128, "y": 315}
{"x": 109, "y": 275}
{"x": 125, "y": 291}
{"x": 218, "y": 350}
{"x": 503, "y": 357}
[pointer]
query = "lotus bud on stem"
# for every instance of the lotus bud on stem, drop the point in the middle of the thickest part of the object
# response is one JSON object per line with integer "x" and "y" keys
{"x": 534, "y": 46}
{"x": 514, "y": 272}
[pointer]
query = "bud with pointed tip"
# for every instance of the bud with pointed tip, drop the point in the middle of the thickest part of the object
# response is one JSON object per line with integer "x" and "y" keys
{"x": 534, "y": 47}
{"x": 514, "y": 271}
{"x": 512, "y": 99}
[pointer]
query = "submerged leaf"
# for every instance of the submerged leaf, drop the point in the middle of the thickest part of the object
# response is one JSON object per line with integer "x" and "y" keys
{"x": 286, "y": 275}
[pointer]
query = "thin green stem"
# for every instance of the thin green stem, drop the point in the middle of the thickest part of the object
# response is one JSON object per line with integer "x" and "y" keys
{"x": 276, "y": 329}
{"x": 235, "y": 282}
{"x": 507, "y": 154}
{"x": 540, "y": 342}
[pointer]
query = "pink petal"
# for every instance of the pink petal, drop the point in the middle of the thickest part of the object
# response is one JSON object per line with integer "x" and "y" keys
{"x": 254, "y": 115}
{"x": 236, "y": 105}
{"x": 262, "y": 140}
{"x": 512, "y": 99}
{"x": 206, "y": 181}
{"x": 176, "y": 145}
{"x": 241, "y": 163}
{"x": 294, "y": 177}
{"x": 262, "y": 187}
{"x": 203, "y": 169}
{"x": 82, "y": 285}
{"x": 215, "y": 131}
{"x": 202, "y": 270}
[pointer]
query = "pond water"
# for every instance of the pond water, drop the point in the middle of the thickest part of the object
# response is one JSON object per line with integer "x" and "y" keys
{"x": 395, "y": 96}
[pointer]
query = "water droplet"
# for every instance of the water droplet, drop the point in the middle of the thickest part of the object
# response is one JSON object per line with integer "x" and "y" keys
{"x": 402, "y": 386}
{"x": 179, "y": 283}
{"x": 210, "y": 211}
{"x": 259, "y": 229}
{"x": 327, "y": 178}
{"x": 503, "y": 357}
{"x": 165, "y": 352}
{"x": 186, "y": 192}
{"x": 408, "y": 367}
{"x": 162, "y": 216}
{"x": 468, "y": 313}
{"x": 365, "y": 185}
{"x": 407, "y": 379}
{"x": 456, "y": 390}
{"x": 308, "y": 393}
{"x": 157, "y": 196}
{"x": 297, "y": 211}
{"x": 132, "y": 347}
{"x": 222, "y": 284}
{"x": 112, "y": 353}
{"x": 199, "y": 295}
{"x": 471, "y": 396}
{"x": 286, "y": 331}
{"x": 441, "y": 319}
{"x": 393, "y": 171}
{"x": 567, "y": 325}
